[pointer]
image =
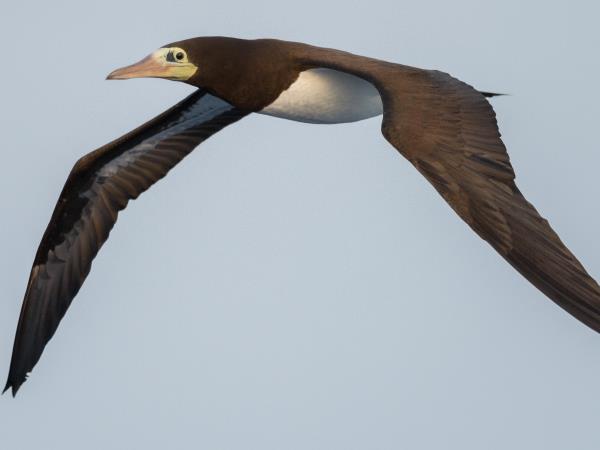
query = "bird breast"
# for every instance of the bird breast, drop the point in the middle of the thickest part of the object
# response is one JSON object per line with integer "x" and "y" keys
{"x": 327, "y": 96}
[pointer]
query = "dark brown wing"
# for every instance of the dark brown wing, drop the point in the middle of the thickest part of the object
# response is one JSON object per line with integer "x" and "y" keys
{"x": 99, "y": 186}
{"x": 448, "y": 131}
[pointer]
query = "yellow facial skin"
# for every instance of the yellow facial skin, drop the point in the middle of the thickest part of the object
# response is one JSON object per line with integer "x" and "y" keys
{"x": 168, "y": 63}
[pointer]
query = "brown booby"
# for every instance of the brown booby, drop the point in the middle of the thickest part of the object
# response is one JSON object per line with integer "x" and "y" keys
{"x": 444, "y": 127}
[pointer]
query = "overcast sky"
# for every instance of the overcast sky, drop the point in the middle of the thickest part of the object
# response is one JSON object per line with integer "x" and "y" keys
{"x": 294, "y": 286}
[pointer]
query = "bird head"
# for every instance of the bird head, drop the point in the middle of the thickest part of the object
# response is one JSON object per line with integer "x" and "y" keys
{"x": 247, "y": 73}
{"x": 171, "y": 63}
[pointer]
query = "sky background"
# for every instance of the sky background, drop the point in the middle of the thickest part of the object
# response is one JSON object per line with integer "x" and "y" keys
{"x": 293, "y": 286}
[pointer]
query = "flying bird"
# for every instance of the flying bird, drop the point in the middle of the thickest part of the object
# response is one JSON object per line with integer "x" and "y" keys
{"x": 444, "y": 127}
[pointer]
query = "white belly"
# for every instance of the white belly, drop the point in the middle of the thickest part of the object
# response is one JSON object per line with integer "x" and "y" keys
{"x": 327, "y": 96}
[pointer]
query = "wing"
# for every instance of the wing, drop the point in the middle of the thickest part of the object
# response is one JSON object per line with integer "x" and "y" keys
{"x": 448, "y": 131}
{"x": 98, "y": 187}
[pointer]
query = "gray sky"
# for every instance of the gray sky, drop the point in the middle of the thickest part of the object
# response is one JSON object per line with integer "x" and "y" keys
{"x": 275, "y": 290}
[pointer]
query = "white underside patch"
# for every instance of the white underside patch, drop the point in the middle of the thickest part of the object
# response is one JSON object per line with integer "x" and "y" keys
{"x": 327, "y": 96}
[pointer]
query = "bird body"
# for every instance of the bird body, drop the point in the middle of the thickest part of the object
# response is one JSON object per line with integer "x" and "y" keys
{"x": 327, "y": 96}
{"x": 445, "y": 128}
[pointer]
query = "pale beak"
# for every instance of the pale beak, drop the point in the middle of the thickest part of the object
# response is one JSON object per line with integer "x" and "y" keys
{"x": 155, "y": 65}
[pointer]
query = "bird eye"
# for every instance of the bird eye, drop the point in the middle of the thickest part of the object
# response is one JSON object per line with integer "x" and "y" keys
{"x": 176, "y": 55}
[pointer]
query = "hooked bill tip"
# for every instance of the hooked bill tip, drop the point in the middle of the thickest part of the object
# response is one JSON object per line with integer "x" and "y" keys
{"x": 114, "y": 75}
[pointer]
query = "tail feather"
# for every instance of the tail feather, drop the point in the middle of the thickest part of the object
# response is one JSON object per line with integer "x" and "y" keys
{"x": 490, "y": 94}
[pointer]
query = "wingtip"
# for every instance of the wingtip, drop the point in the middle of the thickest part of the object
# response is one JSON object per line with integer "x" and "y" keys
{"x": 7, "y": 387}
{"x": 13, "y": 386}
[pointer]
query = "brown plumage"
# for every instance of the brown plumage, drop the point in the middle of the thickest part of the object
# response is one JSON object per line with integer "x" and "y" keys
{"x": 443, "y": 126}
{"x": 98, "y": 187}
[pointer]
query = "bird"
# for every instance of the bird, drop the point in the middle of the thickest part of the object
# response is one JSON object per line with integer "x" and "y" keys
{"x": 444, "y": 127}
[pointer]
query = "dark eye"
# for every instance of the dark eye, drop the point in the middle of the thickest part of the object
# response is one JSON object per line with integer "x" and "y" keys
{"x": 179, "y": 56}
